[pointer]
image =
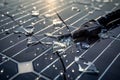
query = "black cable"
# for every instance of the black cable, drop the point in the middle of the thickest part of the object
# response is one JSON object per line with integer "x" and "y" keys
{"x": 105, "y": 20}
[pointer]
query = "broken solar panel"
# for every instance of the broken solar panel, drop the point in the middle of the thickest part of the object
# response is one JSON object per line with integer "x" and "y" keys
{"x": 86, "y": 66}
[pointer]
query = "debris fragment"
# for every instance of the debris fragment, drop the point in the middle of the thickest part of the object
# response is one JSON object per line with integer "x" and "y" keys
{"x": 35, "y": 12}
{"x": 86, "y": 67}
{"x": 75, "y": 9}
{"x": 57, "y": 23}
{"x": 25, "y": 30}
{"x": 58, "y": 47}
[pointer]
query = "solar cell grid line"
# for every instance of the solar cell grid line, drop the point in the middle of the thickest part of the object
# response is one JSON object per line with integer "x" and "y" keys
{"x": 97, "y": 57}
{"x": 101, "y": 76}
{"x": 34, "y": 33}
{"x": 24, "y": 15}
{"x": 34, "y": 73}
{"x": 42, "y": 76}
{"x": 34, "y": 18}
{"x": 25, "y": 22}
{"x": 7, "y": 8}
{"x": 9, "y": 58}
{"x": 26, "y": 9}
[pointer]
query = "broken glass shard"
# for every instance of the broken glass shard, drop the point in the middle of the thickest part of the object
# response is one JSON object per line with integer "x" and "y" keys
{"x": 76, "y": 59}
{"x": 67, "y": 41}
{"x": 75, "y": 9}
{"x": 78, "y": 47}
{"x": 91, "y": 67}
{"x": 51, "y": 35}
{"x": 103, "y": 35}
{"x": 32, "y": 40}
{"x": 57, "y": 23}
{"x": 35, "y": 12}
{"x": 84, "y": 45}
{"x": 19, "y": 30}
{"x": 58, "y": 47}
{"x": 47, "y": 15}
{"x": 27, "y": 30}
{"x": 84, "y": 66}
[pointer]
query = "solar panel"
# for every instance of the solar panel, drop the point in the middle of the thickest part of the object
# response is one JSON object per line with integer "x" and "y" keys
{"x": 26, "y": 53}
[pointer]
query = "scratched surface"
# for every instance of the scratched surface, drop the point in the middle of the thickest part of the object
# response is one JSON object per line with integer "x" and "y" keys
{"x": 38, "y": 62}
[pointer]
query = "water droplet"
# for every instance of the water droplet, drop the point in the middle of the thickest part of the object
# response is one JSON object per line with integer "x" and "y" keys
{"x": 51, "y": 58}
{"x": 7, "y": 12}
{"x": 37, "y": 64}
{"x": 11, "y": 41}
{"x": 66, "y": 61}
{"x": 2, "y": 71}
{"x": 61, "y": 72}
{"x": 73, "y": 70}
{"x": 38, "y": 48}
{"x": 2, "y": 15}
{"x": 53, "y": 65}
{"x": 56, "y": 68}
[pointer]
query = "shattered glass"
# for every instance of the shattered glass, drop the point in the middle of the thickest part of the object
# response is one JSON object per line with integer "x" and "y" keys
{"x": 57, "y": 23}
{"x": 84, "y": 45}
{"x": 31, "y": 40}
{"x": 84, "y": 66}
{"x": 58, "y": 47}
{"x": 25, "y": 30}
{"x": 35, "y": 12}
{"x": 51, "y": 35}
{"x": 104, "y": 35}
{"x": 75, "y": 9}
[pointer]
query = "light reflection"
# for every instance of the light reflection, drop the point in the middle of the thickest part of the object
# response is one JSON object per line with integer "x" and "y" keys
{"x": 52, "y": 4}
